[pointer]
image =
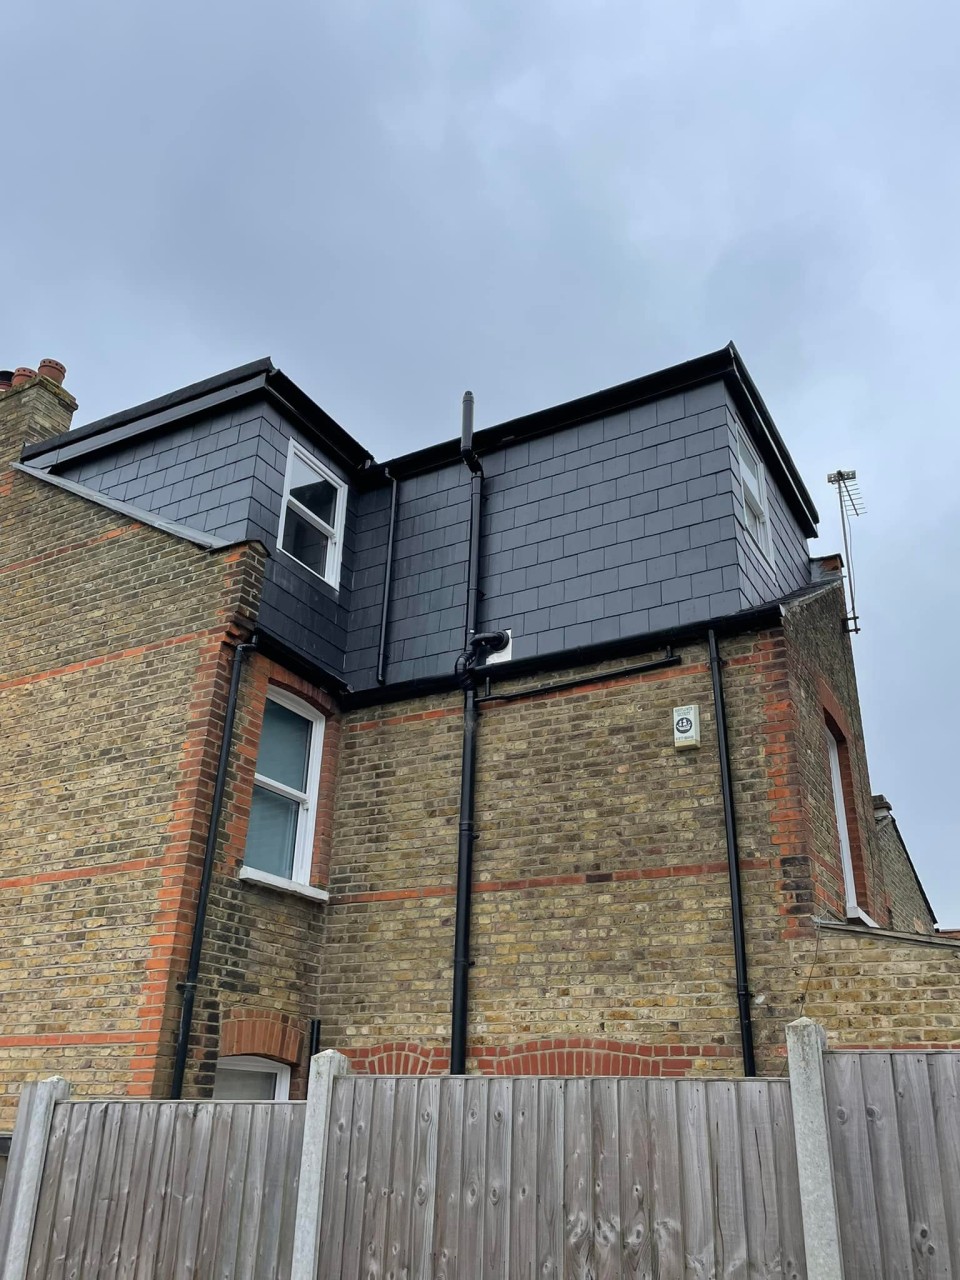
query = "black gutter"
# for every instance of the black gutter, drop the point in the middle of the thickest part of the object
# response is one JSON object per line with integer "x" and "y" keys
{"x": 196, "y": 944}
{"x": 387, "y": 582}
{"x": 468, "y": 765}
{"x": 581, "y": 655}
{"x": 733, "y": 861}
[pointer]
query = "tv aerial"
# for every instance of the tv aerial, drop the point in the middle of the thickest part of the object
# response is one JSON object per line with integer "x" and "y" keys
{"x": 851, "y": 505}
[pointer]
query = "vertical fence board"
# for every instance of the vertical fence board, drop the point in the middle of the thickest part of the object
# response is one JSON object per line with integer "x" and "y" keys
{"x": 215, "y": 1190}
{"x": 104, "y": 1193}
{"x": 378, "y": 1180}
{"x": 921, "y": 1168}
{"x": 426, "y": 1192}
{"x": 156, "y": 1201}
{"x": 397, "y": 1251}
{"x": 129, "y": 1116}
{"x": 668, "y": 1237}
{"x": 449, "y": 1179}
{"x": 605, "y": 1124}
{"x": 67, "y": 1192}
{"x": 793, "y": 1253}
{"x": 474, "y": 1175}
{"x": 228, "y": 1229}
{"x": 577, "y": 1178}
{"x": 880, "y": 1109}
{"x": 82, "y": 1207}
{"x": 695, "y": 1180}
{"x": 496, "y": 1213}
{"x": 251, "y": 1202}
{"x": 730, "y": 1226}
{"x": 337, "y": 1177}
{"x": 288, "y": 1216}
{"x": 636, "y": 1192}
{"x": 523, "y": 1189}
{"x": 191, "y": 1209}
{"x": 850, "y": 1144}
{"x": 137, "y": 1197}
{"x": 167, "y": 1261}
{"x": 945, "y": 1089}
{"x": 550, "y": 1145}
{"x": 274, "y": 1180}
{"x": 761, "y": 1192}
{"x": 357, "y": 1194}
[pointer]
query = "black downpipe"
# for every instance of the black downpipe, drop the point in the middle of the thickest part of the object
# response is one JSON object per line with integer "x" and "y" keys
{"x": 387, "y": 583}
{"x": 468, "y": 770}
{"x": 196, "y": 944}
{"x": 733, "y": 861}
{"x": 314, "y": 1045}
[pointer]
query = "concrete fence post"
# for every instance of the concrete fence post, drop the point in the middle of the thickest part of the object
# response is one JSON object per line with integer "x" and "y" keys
{"x": 21, "y": 1191}
{"x": 324, "y": 1068}
{"x": 806, "y": 1041}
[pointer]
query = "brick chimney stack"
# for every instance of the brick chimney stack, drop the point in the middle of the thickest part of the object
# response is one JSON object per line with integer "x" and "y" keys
{"x": 33, "y": 407}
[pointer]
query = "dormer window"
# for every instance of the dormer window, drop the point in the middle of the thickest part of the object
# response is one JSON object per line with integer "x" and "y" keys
{"x": 311, "y": 522}
{"x": 756, "y": 512}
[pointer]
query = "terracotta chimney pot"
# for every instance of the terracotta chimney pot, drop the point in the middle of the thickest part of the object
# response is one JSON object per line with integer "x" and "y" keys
{"x": 22, "y": 374}
{"x": 6, "y": 378}
{"x": 53, "y": 370}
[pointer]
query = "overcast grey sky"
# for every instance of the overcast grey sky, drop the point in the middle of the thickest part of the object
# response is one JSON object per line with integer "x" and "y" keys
{"x": 398, "y": 200}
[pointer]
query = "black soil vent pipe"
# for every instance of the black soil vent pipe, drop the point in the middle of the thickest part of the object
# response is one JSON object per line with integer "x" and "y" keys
{"x": 203, "y": 897}
{"x": 474, "y": 645}
{"x": 468, "y": 767}
{"x": 387, "y": 583}
{"x": 733, "y": 862}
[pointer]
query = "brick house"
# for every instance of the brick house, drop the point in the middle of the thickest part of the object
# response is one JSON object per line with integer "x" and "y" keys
{"x": 288, "y": 727}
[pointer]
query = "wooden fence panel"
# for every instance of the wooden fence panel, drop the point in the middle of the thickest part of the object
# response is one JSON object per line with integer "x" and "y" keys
{"x": 167, "y": 1191}
{"x": 504, "y": 1178}
{"x": 894, "y": 1121}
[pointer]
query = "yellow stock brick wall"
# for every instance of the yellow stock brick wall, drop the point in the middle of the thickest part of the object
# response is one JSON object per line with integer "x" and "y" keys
{"x": 601, "y": 922}
{"x": 112, "y": 680}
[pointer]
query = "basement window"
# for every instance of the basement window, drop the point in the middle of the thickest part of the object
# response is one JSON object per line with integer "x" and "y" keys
{"x": 248, "y": 1079}
{"x": 279, "y": 846}
{"x": 756, "y": 511}
{"x": 312, "y": 518}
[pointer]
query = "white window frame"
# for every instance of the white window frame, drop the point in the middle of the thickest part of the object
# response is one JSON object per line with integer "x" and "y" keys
{"x": 248, "y": 1062}
{"x": 308, "y": 799}
{"x": 853, "y": 909}
{"x": 334, "y": 532}
{"x": 758, "y": 503}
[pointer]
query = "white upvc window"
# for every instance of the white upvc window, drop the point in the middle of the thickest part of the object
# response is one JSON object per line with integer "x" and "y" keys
{"x": 853, "y": 909}
{"x": 248, "y": 1079}
{"x": 756, "y": 511}
{"x": 283, "y": 811}
{"x": 313, "y": 515}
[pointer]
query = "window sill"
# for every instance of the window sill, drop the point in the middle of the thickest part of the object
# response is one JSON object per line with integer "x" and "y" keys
{"x": 318, "y": 577}
{"x": 281, "y": 885}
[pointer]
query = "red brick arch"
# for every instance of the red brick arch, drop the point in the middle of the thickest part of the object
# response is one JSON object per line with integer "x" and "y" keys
{"x": 558, "y": 1056}
{"x": 397, "y": 1058}
{"x": 263, "y": 1033}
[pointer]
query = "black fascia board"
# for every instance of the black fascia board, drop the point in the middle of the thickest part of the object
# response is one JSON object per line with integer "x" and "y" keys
{"x": 158, "y": 407}
{"x": 272, "y": 646}
{"x": 583, "y": 655}
{"x": 724, "y": 365}
{"x": 257, "y": 378}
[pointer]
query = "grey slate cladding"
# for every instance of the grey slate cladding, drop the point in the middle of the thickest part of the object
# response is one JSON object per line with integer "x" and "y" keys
{"x": 596, "y": 532}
